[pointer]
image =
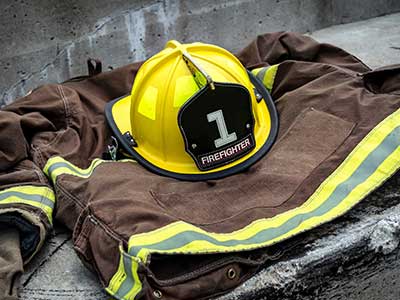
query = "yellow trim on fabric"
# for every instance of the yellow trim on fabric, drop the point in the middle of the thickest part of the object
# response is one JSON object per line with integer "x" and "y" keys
{"x": 36, "y": 196}
{"x": 256, "y": 71}
{"x": 121, "y": 276}
{"x": 118, "y": 277}
{"x": 57, "y": 166}
{"x": 66, "y": 170}
{"x": 137, "y": 287}
{"x": 269, "y": 76}
{"x": 346, "y": 169}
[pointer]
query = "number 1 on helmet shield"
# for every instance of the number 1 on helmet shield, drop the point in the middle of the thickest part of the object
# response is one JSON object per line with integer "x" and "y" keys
{"x": 225, "y": 137}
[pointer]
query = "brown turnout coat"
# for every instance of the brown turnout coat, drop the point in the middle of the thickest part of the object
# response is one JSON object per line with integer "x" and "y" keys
{"x": 148, "y": 236}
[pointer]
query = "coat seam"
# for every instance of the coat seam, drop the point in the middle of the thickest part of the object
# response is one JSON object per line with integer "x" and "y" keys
{"x": 83, "y": 206}
{"x": 116, "y": 236}
{"x": 68, "y": 195}
{"x": 66, "y": 105}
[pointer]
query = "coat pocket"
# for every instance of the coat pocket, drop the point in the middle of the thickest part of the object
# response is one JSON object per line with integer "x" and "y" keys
{"x": 312, "y": 138}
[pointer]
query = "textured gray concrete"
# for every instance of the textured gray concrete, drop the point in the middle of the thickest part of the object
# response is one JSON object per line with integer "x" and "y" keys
{"x": 49, "y": 41}
{"x": 354, "y": 257}
{"x": 58, "y": 274}
{"x": 377, "y": 43}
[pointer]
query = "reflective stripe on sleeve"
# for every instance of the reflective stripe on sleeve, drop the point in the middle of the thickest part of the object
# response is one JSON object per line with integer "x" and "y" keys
{"x": 266, "y": 75}
{"x": 57, "y": 166}
{"x": 37, "y": 196}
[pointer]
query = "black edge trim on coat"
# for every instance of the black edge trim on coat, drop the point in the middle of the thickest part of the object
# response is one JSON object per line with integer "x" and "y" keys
{"x": 206, "y": 176}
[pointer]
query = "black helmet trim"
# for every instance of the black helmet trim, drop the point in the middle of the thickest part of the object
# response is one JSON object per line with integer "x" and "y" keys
{"x": 206, "y": 176}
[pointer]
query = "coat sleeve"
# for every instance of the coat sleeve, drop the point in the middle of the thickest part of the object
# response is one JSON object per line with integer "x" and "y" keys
{"x": 274, "y": 48}
{"x": 27, "y": 199}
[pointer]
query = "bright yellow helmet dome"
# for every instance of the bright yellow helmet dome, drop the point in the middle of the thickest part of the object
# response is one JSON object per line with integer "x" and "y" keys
{"x": 193, "y": 114}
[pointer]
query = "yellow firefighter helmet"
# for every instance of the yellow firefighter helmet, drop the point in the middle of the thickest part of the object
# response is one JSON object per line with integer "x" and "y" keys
{"x": 194, "y": 113}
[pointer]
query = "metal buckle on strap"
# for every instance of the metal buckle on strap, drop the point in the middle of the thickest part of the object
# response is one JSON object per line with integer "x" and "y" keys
{"x": 113, "y": 148}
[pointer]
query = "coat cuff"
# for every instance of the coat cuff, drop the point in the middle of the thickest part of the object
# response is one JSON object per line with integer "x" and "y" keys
{"x": 29, "y": 209}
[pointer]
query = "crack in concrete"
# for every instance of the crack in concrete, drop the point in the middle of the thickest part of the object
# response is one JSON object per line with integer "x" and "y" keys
{"x": 26, "y": 282}
{"x": 63, "y": 294}
{"x": 8, "y": 6}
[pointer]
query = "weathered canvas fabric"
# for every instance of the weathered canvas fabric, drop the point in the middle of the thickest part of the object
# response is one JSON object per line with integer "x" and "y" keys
{"x": 148, "y": 236}
{"x": 10, "y": 263}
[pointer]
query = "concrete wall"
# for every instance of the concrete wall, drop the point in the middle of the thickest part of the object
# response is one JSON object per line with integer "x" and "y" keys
{"x": 48, "y": 40}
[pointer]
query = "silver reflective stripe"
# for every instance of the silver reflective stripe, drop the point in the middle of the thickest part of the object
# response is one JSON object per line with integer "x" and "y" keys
{"x": 128, "y": 282}
{"x": 57, "y": 165}
{"x": 261, "y": 74}
{"x": 30, "y": 197}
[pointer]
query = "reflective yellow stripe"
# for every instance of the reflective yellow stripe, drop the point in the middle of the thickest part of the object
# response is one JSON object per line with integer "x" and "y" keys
{"x": 37, "y": 196}
{"x": 256, "y": 71}
{"x": 125, "y": 284}
{"x": 57, "y": 166}
{"x": 266, "y": 75}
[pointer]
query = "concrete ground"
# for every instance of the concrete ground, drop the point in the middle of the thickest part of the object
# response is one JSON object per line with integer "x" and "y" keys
{"x": 375, "y": 41}
{"x": 354, "y": 257}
